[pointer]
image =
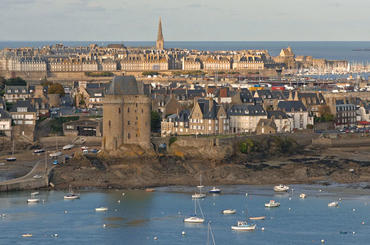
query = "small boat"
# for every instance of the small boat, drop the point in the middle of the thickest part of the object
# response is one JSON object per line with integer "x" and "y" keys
{"x": 243, "y": 226}
{"x": 198, "y": 195}
{"x": 11, "y": 159}
{"x": 215, "y": 190}
{"x": 229, "y": 211}
{"x": 195, "y": 219}
{"x": 281, "y": 188}
{"x": 37, "y": 151}
{"x": 333, "y": 204}
{"x": 68, "y": 147}
{"x": 150, "y": 190}
{"x": 34, "y": 193}
{"x": 302, "y": 196}
{"x": 71, "y": 195}
{"x": 101, "y": 209}
{"x": 27, "y": 235}
{"x": 33, "y": 200}
{"x": 55, "y": 154}
{"x": 257, "y": 218}
{"x": 272, "y": 204}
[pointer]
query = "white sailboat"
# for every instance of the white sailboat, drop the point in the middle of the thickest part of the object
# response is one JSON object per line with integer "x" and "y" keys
{"x": 200, "y": 194}
{"x": 71, "y": 195}
{"x": 56, "y": 153}
{"x": 195, "y": 219}
{"x": 12, "y": 158}
{"x": 33, "y": 199}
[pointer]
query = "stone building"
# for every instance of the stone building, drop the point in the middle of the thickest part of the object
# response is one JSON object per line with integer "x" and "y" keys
{"x": 126, "y": 114}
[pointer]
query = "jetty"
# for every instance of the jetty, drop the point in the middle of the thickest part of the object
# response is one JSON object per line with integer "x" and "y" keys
{"x": 37, "y": 178}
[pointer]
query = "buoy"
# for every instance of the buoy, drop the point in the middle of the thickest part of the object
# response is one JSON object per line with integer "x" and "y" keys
{"x": 104, "y": 225}
{"x": 353, "y": 233}
{"x": 155, "y": 238}
{"x": 115, "y": 210}
{"x": 123, "y": 193}
{"x": 322, "y": 241}
{"x": 263, "y": 228}
{"x": 178, "y": 212}
{"x": 65, "y": 211}
{"x": 119, "y": 201}
{"x": 290, "y": 198}
{"x": 214, "y": 204}
{"x": 340, "y": 199}
{"x": 363, "y": 222}
{"x": 290, "y": 209}
{"x": 246, "y": 194}
{"x": 321, "y": 191}
{"x": 183, "y": 233}
{"x": 55, "y": 235}
{"x": 354, "y": 210}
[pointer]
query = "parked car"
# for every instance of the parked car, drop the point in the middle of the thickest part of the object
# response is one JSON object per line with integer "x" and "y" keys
{"x": 93, "y": 150}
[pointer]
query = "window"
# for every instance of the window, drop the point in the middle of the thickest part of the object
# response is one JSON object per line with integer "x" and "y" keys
{"x": 119, "y": 110}
{"x": 128, "y": 122}
{"x": 128, "y": 136}
{"x": 109, "y": 123}
{"x": 128, "y": 109}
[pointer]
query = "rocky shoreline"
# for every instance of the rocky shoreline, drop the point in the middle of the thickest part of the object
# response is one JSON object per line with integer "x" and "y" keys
{"x": 340, "y": 165}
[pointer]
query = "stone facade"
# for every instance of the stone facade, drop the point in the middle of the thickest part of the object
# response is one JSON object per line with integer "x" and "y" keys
{"x": 126, "y": 114}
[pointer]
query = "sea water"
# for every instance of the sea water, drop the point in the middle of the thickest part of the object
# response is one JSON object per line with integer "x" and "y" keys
{"x": 138, "y": 217}
{"x": 341, "y": 50}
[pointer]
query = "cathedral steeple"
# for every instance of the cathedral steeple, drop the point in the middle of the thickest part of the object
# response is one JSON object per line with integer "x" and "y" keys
{"x": 160, "y": 41}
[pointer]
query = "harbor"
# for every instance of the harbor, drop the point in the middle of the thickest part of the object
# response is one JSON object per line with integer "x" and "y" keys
{"x": 158, "y": 216}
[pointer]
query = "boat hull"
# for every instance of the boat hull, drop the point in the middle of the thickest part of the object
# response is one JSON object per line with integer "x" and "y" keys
{"x": 229, "y": 211}
{"x": 194, "y": 220}
{"x": 243, "y": 228}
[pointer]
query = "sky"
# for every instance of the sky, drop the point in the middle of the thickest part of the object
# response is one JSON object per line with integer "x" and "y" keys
{"x": 185, "y": 20}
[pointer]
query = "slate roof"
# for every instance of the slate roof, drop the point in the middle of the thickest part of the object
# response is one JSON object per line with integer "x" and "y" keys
{"x": 291, "y": 106}
{"x": 125, "y": 85}
{"x": 23, "y": 103}
{"x": 277, "y": 115}
{"x": 16, "y": 89}
{"x": 247, "y": 110}
{"x": 4, "y": 114}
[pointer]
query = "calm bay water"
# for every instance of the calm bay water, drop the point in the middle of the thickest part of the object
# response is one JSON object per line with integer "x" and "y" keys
{"x": 328, "y": 50}
{"x": 140, "y": 216}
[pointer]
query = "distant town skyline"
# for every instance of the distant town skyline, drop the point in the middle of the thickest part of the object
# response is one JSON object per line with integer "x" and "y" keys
{"x": 191, "y": 20}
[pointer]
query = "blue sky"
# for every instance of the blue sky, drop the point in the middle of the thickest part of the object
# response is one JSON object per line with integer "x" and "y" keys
{"x": 185, "y": 20}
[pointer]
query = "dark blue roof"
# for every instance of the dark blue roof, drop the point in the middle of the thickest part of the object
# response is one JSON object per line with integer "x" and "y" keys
{"x": 291, "y": 106}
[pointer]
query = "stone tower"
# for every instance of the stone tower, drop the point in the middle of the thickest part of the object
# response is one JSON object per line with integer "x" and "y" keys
{"x": 126, "y": 114}
{"x": 160, "y": 41}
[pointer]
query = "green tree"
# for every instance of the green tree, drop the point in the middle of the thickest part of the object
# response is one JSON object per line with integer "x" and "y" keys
{"x": 56, "y": 88}
{"x": 155, "y": 121}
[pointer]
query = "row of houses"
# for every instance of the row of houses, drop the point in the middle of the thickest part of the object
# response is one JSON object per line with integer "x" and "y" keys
{"x": 207, "y": 117}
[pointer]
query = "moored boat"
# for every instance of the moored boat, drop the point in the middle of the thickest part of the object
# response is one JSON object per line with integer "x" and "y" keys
{"x": 272, "y": 204}
{"x": 333, "y": 204}
{"x": 302, "y": 196}
{"x": 101, "y": 209}
{"x": 229, "y": 211}
{"x": 243, "y": 226}
{"x": 281, "y": 188}
{"x": 257, "y": 218}
{"x": 215, "y": 190}
{"x": 33, "y": 200}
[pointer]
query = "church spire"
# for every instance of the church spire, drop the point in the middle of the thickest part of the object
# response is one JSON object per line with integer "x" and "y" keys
{"x": 160, "y": 41}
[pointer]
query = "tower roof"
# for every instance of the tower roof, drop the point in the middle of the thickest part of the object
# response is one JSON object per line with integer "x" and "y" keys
{"x": 125, "y": 85}
{"x": 160, "y": 34}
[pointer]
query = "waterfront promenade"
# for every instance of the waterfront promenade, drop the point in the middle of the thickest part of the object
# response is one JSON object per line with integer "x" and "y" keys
{"x": 38, "y": 177}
